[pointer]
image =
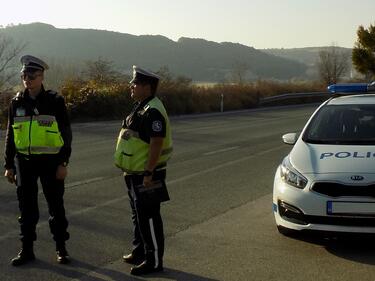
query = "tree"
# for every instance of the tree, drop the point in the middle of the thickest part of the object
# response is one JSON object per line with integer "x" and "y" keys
{"x": 61, "y": 71}
{"x": 363, "y": 54}
{"x": 333, "y": 64}
{"x": 239, "y": 72}
{"x": 9, "y": 52}
{"x": 165, "y": 74}
{"x": 101, "y": 72}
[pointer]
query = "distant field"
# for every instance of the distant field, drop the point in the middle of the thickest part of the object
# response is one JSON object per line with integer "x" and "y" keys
{"x": 205, "y": 84}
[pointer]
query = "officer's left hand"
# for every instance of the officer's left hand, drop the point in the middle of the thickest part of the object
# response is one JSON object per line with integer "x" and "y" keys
{"x": 61, "y": 172}
{"x": 9, "y": 174}
{"x": 147, "y": 181}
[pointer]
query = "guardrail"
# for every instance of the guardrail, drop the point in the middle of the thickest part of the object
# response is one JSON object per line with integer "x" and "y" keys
{"x": 313, "y": 95}
{"x": 291, "y": 96}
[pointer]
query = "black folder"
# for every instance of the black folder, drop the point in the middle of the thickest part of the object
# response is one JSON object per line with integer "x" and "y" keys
{"x": 157, "y": 191}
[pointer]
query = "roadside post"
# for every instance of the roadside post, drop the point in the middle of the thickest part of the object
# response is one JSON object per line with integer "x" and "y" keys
{"x": 222, "y": 103}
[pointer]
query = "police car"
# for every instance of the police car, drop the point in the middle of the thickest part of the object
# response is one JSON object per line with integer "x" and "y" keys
{"x": 327, "y": 181}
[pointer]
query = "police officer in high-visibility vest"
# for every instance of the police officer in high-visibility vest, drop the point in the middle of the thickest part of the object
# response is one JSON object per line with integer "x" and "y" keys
{"x": 143, "y": 148}
{"x": 38, "y": 145}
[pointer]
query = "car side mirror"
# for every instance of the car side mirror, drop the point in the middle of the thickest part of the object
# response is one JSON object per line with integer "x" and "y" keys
{"x": 290, "y": 138}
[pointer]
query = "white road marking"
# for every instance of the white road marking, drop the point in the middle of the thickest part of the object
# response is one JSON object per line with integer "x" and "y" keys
{"x": 13, "y": 234}
{"x": 217, "y": 167}
{"x": 221, "y": 150}
{"x": 76, "y": 183}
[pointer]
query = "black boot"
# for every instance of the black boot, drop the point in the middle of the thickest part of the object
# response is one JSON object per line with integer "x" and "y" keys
{"x": 62, "y": 254}
{"x": 145, "y": 268}
{"x": 24, "y": 256}
{"x": 133, "y": 258}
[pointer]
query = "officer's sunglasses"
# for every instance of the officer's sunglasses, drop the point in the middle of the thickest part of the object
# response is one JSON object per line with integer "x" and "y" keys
{"x": 30, "y": 76}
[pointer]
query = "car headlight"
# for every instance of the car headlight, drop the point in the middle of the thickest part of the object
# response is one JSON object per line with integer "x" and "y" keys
{"x": 291, "y": 176}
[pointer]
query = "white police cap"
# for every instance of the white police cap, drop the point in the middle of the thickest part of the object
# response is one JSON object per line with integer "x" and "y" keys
{"x": 31, "y": 63}
{"x": 143, "y": 76}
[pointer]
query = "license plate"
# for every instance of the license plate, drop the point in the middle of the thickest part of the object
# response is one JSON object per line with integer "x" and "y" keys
{"x": 351, "y": 208}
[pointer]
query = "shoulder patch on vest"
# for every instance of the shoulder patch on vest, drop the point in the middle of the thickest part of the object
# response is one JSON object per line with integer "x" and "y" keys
{"x": 157, "y": 126}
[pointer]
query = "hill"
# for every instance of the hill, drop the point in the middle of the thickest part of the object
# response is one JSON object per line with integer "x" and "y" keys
{"x": 307, "y": 56}
{"x": 198, "y": 59}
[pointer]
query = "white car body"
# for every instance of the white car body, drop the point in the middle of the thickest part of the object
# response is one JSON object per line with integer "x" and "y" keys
{"x": 336, "y": 182}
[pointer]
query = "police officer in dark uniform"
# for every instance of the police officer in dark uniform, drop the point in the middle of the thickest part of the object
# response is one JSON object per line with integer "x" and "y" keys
{"x": 38, "y": 145}
{"x": 143, "y": 149}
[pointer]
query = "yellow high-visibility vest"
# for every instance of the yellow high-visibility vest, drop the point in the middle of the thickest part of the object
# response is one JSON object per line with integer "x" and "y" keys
{"x": 132, "y": 152}
{"x": 38, "y": 134}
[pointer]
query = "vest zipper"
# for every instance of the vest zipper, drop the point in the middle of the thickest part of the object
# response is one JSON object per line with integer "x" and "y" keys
{"x": 31, "y": 122}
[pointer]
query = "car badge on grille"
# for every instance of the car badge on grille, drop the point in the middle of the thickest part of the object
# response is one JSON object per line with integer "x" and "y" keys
{"x": 357, "y": 178}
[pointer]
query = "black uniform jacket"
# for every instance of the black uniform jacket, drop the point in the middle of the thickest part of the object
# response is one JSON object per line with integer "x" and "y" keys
{"x": 148, "y": 125}
{"x": 46, "y": 103}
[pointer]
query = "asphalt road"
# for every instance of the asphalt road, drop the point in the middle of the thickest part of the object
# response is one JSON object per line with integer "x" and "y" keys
{"x": 219, "y": 224}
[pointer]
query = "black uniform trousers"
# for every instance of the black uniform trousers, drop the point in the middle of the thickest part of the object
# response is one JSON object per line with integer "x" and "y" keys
{"x": 28, "y": 171}
{"x": 148, "y": 242}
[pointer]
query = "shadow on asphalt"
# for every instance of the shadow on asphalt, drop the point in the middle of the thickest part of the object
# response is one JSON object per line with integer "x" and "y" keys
{"x": 355, "y": 247}
{"x": 358, "y": 249}
{"x": 174, "y": 274}
{"x": 78, "y": 270}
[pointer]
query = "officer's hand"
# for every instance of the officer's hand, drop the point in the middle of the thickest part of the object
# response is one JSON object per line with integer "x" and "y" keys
{"x": 9, "y": 174}
{"x": 147, "y": 181}
{"x": 61, "y": 172}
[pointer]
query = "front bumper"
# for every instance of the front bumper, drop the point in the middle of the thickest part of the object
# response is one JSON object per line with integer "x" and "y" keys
{"x": 303, "y": 209}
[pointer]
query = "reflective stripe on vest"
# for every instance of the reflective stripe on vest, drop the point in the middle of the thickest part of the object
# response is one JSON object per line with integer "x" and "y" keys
{"x": 37, "y": 135}
{"x": 132, "y": 152}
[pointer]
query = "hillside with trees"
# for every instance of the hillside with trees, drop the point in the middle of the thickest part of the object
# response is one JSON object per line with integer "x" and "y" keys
{"x": 309, "y": 56}
{"x": 198, "y": 59}
{"x": 92, "y": 68}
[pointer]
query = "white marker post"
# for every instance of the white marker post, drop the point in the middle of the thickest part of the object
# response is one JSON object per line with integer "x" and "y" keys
{"x": 222, "y": 103}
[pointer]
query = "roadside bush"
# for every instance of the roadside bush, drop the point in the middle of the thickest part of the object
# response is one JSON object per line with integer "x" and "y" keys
{"x": 177, "y": 101}
{"x": 234, "y": 96}
{"x": 5, "y": 98}
{"x": 271, "y": 88}
{"x": 87, "y": 100}
{"x": 92, "y": 100}
{"x": 176, "y": 93}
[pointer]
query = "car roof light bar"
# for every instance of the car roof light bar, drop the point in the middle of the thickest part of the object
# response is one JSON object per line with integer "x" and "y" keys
{"x": 351, "y": 88}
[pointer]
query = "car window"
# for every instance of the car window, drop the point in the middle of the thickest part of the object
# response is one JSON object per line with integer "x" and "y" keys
{"x": 342, "y": 124}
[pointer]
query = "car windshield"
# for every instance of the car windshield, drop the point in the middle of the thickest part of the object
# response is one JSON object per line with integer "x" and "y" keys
{"x": 343, "y": 124}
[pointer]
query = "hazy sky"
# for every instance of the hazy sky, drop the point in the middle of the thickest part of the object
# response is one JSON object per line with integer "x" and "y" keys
{"x": 257, "y": 23}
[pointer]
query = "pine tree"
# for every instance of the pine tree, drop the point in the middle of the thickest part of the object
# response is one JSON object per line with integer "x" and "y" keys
{"x": 363, "y": 54}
